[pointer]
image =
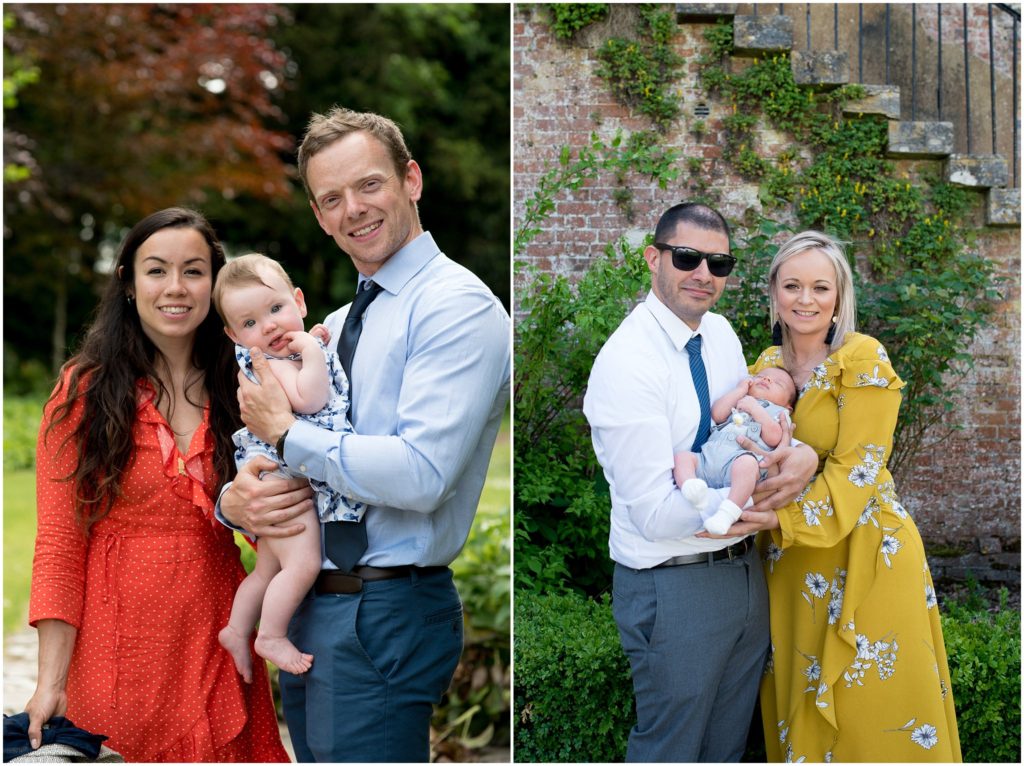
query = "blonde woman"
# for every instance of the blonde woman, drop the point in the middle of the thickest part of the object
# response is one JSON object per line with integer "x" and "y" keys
{"x": 858, "y": 669}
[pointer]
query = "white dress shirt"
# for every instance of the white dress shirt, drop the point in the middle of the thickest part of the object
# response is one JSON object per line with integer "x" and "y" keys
{"x": 642, "y": 408}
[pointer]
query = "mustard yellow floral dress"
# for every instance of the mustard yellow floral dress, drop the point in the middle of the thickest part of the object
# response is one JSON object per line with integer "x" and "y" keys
{"x": 858, "y": 668}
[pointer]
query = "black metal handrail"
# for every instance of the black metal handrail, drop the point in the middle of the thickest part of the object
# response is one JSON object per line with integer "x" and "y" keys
{"x": 952, "y": 74}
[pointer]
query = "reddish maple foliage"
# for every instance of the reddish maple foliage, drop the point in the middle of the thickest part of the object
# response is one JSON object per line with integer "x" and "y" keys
{"x": 143, "y": 106}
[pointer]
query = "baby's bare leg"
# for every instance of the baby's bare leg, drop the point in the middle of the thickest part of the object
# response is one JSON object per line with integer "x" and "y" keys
{"x": 245, "y": 610}
{"x": 685, "y": 474}
{"x": 300, "y": 564}
{"x": 685, "y": 467}
{"x": 743, "y": 475}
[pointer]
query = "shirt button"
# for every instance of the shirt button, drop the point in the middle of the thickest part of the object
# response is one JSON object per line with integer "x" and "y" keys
{"x": 303, "y": 468}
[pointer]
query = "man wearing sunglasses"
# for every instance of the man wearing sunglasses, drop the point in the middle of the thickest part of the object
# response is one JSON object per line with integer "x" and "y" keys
{"x": 692, "y": 610}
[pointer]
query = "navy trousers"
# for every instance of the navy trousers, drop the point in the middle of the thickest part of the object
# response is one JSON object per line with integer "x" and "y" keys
{"x": 697, "y": 637}
{"x": 381, "y": 659}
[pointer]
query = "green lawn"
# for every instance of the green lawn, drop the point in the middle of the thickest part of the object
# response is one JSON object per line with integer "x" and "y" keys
{"x": 19, "y": 538}
{"x": 19, "y": 525}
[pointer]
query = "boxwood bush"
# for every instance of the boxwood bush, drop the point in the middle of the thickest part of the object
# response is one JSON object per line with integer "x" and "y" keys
{"x": 574, "y": 696}
{"x": 984, "y": 666}
{"x": 573, "y": 692}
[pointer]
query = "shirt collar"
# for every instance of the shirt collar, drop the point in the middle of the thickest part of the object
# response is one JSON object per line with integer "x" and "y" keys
{"x": 678, "y": 332}
{"x": 404, "y": 264}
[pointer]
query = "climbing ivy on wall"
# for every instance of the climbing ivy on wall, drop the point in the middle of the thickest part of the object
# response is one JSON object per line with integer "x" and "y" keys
{"x": 921, "y": 290}
{"x": 640, "y": 71}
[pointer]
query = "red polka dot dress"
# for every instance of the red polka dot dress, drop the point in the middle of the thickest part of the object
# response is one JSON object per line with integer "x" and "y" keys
{"x": 148, "y": 591}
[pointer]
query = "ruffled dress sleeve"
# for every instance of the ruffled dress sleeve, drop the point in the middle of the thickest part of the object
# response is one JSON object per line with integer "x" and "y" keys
{"x": 866, "y": 392}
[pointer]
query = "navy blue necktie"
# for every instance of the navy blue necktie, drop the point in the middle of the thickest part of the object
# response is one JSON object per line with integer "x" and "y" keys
{"x": 345, "y": 541}
{"x": 700, "y": 383}
{"x": 353, "y": 327}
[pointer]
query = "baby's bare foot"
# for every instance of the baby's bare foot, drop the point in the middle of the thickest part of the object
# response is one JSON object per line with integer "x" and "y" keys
{"x": 238, "y": 646}
{"x": 283, "y": 653}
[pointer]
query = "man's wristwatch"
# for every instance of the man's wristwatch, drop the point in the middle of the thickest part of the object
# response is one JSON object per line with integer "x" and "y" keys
{"x": 280, "y": 444}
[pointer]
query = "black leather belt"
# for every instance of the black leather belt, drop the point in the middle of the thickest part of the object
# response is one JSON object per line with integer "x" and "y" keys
{"x": 334, "y": 581}
{"x": 734, "y": 551}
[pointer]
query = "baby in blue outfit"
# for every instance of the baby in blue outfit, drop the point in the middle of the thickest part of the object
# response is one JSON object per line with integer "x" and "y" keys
{"x": 752, "y": 409}
{"x": 261, "y": 309}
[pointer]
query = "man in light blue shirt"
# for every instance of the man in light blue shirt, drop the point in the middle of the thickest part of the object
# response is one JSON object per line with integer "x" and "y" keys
{"x": 430, "y": 381}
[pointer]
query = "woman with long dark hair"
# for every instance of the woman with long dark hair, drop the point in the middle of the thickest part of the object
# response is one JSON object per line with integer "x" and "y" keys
{"x": 133, "y": 576}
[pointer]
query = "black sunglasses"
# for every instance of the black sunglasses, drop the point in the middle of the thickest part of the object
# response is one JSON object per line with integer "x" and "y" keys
{"x": 687, "y": 259}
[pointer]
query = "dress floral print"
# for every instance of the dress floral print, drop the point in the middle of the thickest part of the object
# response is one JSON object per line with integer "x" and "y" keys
{"x": 858, "y": 668}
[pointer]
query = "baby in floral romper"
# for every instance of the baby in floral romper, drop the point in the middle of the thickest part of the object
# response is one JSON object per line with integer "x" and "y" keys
{"x": 261, "y": 309}
{"x": 752, "y": 409}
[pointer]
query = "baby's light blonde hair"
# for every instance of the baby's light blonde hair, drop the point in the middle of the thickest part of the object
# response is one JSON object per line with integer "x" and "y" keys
{"x": 246, "y": 270}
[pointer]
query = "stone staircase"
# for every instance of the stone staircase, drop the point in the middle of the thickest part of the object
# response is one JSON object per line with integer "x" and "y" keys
{"x": 772, "y": 33}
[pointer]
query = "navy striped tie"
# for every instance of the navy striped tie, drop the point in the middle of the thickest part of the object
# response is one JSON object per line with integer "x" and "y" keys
{"x": 700, "y": 383}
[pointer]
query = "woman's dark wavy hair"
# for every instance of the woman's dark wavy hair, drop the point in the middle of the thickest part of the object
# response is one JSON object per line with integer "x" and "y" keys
{"x": 115, "y": 354}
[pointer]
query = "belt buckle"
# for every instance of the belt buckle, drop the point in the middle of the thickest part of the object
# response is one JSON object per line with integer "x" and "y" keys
{"x": 349, "y": 583}
{"x": 336, "y": 582}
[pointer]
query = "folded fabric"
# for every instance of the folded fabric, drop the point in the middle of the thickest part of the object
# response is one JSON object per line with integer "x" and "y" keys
{"x": 64, "y": 754}
{"x": 57, "y": 731}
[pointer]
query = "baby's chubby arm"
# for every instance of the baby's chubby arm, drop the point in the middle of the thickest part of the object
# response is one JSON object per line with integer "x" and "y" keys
{"x": 722, "y": 408}
{"x": 308, "y": 386}
{"x": 771, "y": 429}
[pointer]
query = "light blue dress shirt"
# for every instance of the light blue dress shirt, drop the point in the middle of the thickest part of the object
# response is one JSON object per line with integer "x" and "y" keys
{"x": 429, "y": 384}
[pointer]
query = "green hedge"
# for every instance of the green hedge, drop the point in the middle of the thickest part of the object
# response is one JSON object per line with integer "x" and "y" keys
{"x": 984, "y": 665}
{"x": 574, "y": 697}
{"x": 573, "y": 693}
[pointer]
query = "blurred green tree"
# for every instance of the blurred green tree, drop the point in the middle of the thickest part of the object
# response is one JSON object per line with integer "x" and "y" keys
{"x": 141, "y": 106}
{"x": 136, "y": 107}
{"x": 442, "y": 73}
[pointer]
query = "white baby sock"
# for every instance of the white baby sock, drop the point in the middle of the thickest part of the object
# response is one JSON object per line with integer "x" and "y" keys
{"x": 696, "y": 491}
{"x": 724, "y": 517}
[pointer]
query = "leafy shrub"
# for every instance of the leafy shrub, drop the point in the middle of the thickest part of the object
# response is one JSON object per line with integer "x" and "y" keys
{"x": 21, "y": 429}
{"x": 561, "y": 498}
{"x": 568, "y": 18}
{"x": 573, "y": 693}
{"x": 984, "y": 664}
{"x": 475, "y": 709}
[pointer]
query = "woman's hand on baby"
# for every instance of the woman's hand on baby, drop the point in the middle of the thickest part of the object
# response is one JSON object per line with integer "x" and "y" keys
{"x": 749, "y": 522}
{"x": 789, "y": 467}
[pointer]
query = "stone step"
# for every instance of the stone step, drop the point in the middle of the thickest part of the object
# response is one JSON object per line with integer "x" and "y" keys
{"x": 917, "y": 140}
{"x": 704, "y": 12}
{"x": 761, "y": 35}
{"x": 820, "y": 70}
{"x": 1003, "y": 207}
{"x": 978, "y": 171}
{"x": 878, "y": 99}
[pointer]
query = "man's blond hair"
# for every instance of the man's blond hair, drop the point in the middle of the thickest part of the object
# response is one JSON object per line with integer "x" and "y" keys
{"x": 324, "y": 129}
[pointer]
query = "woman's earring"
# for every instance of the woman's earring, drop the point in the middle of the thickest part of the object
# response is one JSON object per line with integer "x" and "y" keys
{"x": 831, "y": 332}
{"x": 130, "y": 298}
{"x": 777, "y": 334}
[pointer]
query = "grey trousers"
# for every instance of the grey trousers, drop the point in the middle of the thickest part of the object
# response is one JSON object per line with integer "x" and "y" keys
{"x": 697, "y": 638}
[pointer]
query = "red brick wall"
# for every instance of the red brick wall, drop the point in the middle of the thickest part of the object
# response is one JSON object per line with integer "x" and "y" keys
{"x": 970, "y": 488}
